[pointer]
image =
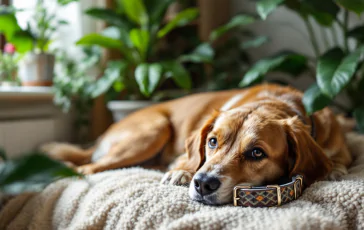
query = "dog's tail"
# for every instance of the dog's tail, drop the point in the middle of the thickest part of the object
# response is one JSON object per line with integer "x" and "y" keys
{"x": 68, "y": 153}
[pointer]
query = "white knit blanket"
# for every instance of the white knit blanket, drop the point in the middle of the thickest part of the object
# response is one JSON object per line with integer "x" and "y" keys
{"x": 134, "y": 199}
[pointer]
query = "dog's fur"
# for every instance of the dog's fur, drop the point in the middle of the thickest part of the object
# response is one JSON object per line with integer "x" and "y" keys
{"x": 268, "y": 116}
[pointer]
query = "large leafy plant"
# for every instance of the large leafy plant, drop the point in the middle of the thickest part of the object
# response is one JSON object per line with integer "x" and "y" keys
{"x": 136, "y": 30}
{"x": 30, "y": 173}
{"x": 339, "y": 69}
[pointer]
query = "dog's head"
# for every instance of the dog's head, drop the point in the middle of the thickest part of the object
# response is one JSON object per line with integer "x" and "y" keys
{"x": 254, "y": 147}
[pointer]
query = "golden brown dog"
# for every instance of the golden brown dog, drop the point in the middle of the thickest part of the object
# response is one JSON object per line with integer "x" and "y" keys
{"x": 253, "y": 136}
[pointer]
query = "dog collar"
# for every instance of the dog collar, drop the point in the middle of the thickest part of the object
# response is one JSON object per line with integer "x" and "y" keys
{"x": 268, "y": 196}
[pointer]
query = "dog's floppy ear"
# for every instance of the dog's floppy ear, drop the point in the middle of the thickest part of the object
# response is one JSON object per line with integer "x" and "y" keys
{"x": 195, "y": 144}
{"x": 308, "y": 157}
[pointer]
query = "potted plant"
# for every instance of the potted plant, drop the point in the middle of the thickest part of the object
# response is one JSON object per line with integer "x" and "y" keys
{"x": 9, "y": 66}
{"x": 72, "y": 86}
{"x": 337, "y": 71}
{"x": 37, "y": 66}
{"x": 136, "y": 30}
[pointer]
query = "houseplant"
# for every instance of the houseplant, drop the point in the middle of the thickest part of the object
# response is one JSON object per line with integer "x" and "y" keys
{"x": 9, "y": 66}
{"x": 337, "y": 71}
{"x": 36, "y": 68}
{"x": 72, "y": 86}
{"x": 136, "y": 30}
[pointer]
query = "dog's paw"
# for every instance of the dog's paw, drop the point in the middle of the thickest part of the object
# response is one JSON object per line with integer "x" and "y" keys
{"x": 337, "y": 173}
{"x": 86, "y": 169}
{"x": 177, "y": 177}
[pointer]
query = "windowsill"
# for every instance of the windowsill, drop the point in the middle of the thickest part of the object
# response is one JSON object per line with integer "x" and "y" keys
{"x": 9, "y": 93}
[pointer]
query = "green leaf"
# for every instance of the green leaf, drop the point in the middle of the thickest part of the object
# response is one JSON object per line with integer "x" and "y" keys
{"x": 287, "y": 62}
{"x": 8, "y": 25}
{"x": 356, "y": 6}
{"x": 100, "y": 40}
{"x": 254, "y": 43}
{"x": 148, "y": 77}
{"x": 203, "y": 53}
{"x": 23, "y": 41}
{"x": 357, "y": 33}
{"x": 140, "y": 39}
{"x": 314, "y": 100}
{"x": 3, "y": 155}
{"x": 182, "y": 18}
{"x": 114, "y": 72}
{"x": 66, "y": 2}
{"x": 265, "y": 7}
{"x": 335, "y": 70}
{"x": 359, "y": 117}
{"x": 31, "y": 173}
{"x": 324, "y": 11}
{"x": 238, "y": 20}
{"x": 178, "y": 73}
{"x": 110, "y": 17}
{"x": 157, "y": 9}
{"x": 135, "y": 10}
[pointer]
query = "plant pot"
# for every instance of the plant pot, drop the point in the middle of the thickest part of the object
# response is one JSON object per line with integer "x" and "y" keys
{"x": 121, "y": 109}
{"x": 37, "y": 70}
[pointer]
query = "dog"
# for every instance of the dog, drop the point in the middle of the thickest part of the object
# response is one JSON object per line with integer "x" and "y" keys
{"x": 216, "y": 140}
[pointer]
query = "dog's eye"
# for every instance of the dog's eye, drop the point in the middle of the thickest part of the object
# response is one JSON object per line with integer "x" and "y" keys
{"x": 213, "y": 143}
{"x": 255, "y": 154}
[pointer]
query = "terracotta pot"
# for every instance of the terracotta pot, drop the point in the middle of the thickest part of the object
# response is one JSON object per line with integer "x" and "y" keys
{"x": 37, "y": 70}
{"x": 121, "y": 109}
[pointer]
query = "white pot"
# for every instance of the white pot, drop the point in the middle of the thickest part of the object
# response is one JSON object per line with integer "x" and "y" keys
{"x": 37, "y": 69}
{"x": 121, "y": 109}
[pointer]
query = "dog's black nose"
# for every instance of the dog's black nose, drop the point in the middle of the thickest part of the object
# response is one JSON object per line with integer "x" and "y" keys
{"x": 205, "y": 184}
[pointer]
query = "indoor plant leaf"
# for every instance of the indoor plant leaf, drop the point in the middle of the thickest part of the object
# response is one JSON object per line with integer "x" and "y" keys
{"x": 65, "y": 2}
{"x": 202, "y": 53}
{"x": 313, "y": 99}
{"x": 178, "y": 73}
{"x": 135, "y": 10}
{"x": 100, "y": 40}
{"x": 265, "y": 7}
{"x": 148, "y": 77}
{"x": 2, "y": 155}
{"x": 286, "y": 62}
{"x": 109, "y": 16}
{"x": 335, "y": 70}
{"x": 140, "y": 39}
{"x": 113, "y": 72}
{"x": 31, "y": 172}
{"x": 23, "y": 41}
{"x": 157, "y": 9}
{"x": 357, "y": 33}
{"x": 8, "y": 24}
{"x": 238, "y": 20}
{"x": 359, "y": 117}
{"x": 356, "y": 6}
{"x": 141, "y": 77}
{"x": 324, "y": 11}
{"x": 256, "y": 42}
{"x": 182, "y": 18}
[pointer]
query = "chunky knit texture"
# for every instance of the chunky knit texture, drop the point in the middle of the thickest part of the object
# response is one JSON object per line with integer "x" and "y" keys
{"x": 134, "y": 199}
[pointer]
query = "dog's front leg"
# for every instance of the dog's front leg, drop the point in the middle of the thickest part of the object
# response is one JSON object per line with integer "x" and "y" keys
{"x": 180, "y": 173}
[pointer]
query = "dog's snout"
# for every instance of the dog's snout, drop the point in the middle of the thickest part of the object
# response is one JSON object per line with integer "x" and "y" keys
{"x": 205, "y": 184}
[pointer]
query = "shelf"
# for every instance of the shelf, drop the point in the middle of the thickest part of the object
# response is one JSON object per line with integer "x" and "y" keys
{"x": 25, "y": 93}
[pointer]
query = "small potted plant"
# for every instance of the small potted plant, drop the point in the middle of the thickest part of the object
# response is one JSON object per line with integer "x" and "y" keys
{"x": 9, "y": 66}
{"x": 37, "y": 66}
{"x": 137, "y": 29}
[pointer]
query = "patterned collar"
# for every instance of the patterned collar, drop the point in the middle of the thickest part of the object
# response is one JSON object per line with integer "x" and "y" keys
{"x": 270, "y": 195}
